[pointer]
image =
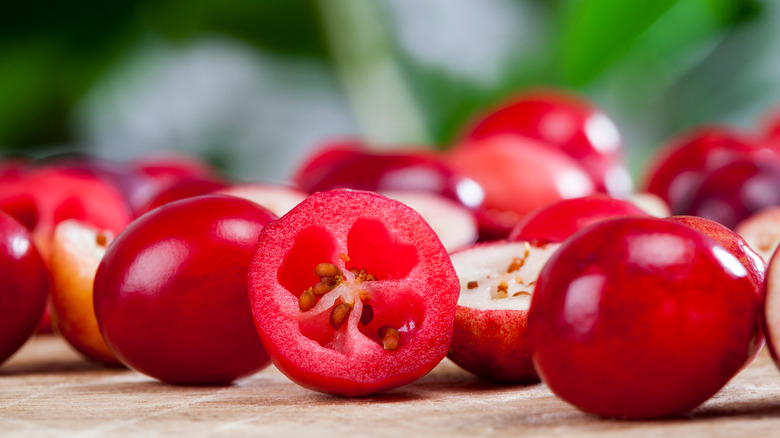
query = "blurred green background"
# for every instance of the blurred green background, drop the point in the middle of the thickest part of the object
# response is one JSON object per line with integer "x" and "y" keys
{"x": 253, "y": 85}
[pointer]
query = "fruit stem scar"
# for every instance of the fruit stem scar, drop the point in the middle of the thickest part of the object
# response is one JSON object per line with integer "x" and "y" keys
{"x": 101, "y": 239}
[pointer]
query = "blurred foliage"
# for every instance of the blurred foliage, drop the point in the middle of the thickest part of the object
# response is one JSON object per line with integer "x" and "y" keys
{"x": 662, "y": 65}
{"x": 51, "y": 52}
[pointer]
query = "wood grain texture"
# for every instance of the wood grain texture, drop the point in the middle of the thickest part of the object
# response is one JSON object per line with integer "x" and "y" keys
{"x": 48, "y": 390}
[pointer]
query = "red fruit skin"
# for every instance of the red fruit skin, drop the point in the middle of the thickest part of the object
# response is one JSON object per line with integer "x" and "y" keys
{"x": 556, "y": 222}
{"x": 737, "y": 190}
{"x": 518, "y": 176}
{"x": 493, "y": 344}
{"x": 416, "y": 291}
{"x": 678, "y": 169}
{"x": 640, "y": 318}
{"x": 566, "y": 122}
{"x": 736, "y": 245}
{"x": 770, "y": 319}
{"x": 182, "y": 189}
{"x": 170, "y": 294}
{"x": 47, "y": 196}
{"x": 733, "y": 242}
{"x": 42, "y": 197}
{"x": 24, "y": 289}
{"x": 349, "y": 166}
{"x": 325, "y": 158}
{"x": 770, "y": 128}
{"x": 149, "y": 176}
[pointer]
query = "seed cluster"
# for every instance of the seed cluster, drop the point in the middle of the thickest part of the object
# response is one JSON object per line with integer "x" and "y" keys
{"x": 502, "y": 289}
{"x": 331, "y": 277}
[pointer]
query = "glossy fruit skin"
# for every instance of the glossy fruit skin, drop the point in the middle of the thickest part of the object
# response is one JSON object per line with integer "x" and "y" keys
{"x": 750, "y": 259}
{"x": 354, "y": 166}
{"x": 567, "y": 122}
{"x": 731, "y": 241}
{"x": 493, "y": 345}
{"x": 170, "y": 294}
{"x": 641, "y": 318}
{"x": 182, "y": 189}
{"x": 557, "y": 221}
{"x": 325, "y": 158}
{"x": 24, "y": 286}
{"x": 46, "y": 196}
{"x": 518, "y": 175}
{"x": 152, "y": 175}
{"x": 416, "y": 291}
{"x": 737, "y": 190}
{"x": 684, "y": 161}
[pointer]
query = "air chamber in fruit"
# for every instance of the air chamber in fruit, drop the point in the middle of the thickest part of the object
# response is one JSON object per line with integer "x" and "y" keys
{"x": 352, "y": 293}
{"x": 170, "y": 294}
{"x": 641, "y": 318}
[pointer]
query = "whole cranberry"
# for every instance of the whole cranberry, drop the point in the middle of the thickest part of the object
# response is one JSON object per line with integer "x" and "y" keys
{"x": 352, "y": 165}
{"x": 642, "y": 318}
{"x": 518, "y": 175}
{"x": 25, "y": 285}
{"x": 678, "y": 169}
{"x": 170, "y": 293}
{"x": 737, "y": 190}
{"x": 567, "y": 122}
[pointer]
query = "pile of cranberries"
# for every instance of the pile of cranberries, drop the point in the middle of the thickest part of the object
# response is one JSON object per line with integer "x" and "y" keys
{"x": 522, "y": 253}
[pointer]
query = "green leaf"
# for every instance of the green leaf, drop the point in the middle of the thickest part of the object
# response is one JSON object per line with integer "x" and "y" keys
{"x": 597, "y": 32}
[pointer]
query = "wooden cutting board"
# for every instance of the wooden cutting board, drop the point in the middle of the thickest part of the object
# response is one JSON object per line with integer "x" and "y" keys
{"x": 48, "y": 390}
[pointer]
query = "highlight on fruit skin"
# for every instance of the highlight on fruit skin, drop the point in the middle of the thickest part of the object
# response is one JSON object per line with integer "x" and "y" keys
{"x": 25, "y": 286}
{"x": 624, "y": 298}
{"x": 564, "y": 121}
{"x": 170, "y": 294}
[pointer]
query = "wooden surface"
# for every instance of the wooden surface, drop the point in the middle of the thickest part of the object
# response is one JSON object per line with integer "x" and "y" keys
{"x": 48, "y": 390}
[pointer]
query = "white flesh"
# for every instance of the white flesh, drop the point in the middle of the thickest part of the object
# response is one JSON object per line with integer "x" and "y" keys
{"x": 79, "y": 238}
{"x": 278, "y": 199}
{"x": 761, "y": 231}
{"x": 488, "y": 265}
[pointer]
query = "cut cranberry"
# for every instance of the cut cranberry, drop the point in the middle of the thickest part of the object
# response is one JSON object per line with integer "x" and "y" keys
{"x": 352, "y": 293}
